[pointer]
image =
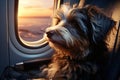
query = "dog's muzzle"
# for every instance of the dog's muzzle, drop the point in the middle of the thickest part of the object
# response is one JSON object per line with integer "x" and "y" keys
{"x": 50, "y": 33}
{"x": 60, "y": 35}
{"x": 55, "y": 37}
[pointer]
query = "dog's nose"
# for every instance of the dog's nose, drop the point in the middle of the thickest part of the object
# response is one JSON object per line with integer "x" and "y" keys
{"x": 50, "y": 33}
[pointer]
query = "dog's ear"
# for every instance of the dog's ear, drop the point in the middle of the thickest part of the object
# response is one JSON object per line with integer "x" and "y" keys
{"x": 100, "y": 23}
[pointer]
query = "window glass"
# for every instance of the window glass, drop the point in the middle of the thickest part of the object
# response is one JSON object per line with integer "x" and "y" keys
{"x": 33, "y": 18}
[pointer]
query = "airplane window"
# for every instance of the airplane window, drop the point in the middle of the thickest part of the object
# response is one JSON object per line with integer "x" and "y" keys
{"x": 33, "y": 18}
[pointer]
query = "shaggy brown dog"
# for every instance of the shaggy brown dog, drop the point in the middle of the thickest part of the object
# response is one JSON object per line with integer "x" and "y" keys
{"x": 78, "y": 39}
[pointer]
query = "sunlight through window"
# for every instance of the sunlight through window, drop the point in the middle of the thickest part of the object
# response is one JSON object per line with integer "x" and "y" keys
{"x": 34, "y": 16}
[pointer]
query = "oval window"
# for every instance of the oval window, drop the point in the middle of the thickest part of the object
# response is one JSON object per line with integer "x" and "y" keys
{"x": 34, "y": 16}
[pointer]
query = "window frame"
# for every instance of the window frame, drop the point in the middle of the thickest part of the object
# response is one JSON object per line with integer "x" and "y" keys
{"x": 36, "y": 47}
{"x": 34, "y": 44}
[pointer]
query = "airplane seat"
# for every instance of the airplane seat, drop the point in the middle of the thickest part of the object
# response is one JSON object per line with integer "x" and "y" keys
{"x": 29, "y": 70}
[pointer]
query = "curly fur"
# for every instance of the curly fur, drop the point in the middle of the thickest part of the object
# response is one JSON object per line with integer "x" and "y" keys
{"x": 78, "y": 39}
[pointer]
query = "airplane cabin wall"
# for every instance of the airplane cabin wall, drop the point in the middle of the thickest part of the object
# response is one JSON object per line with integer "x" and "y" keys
{"x": 4, "y": 56}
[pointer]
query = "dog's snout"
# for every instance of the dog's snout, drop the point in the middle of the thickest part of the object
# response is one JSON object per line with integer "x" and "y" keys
{"x": 50, "y": 33}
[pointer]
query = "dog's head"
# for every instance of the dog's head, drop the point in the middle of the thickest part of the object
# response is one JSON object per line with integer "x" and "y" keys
{"x": 78, "y": 28}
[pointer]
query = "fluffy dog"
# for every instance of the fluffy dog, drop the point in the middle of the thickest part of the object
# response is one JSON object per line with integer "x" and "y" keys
{"x": 78, "y": 39}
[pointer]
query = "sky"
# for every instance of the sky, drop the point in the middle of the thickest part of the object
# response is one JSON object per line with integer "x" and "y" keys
{"x": 35, "y": 8}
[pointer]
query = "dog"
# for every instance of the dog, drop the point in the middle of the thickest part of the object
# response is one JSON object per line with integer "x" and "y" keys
{"x": 78, "y": 39}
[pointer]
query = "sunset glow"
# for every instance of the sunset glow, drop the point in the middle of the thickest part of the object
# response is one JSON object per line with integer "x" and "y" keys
{"x": 34, "y": 16}
{"x": 34, "y": 8}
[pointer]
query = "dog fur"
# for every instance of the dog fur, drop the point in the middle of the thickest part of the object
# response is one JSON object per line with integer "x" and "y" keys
{"x": 78, "y": 38}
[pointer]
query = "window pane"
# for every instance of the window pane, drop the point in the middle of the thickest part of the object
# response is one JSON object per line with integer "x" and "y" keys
{"x": 33, "y": 18}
